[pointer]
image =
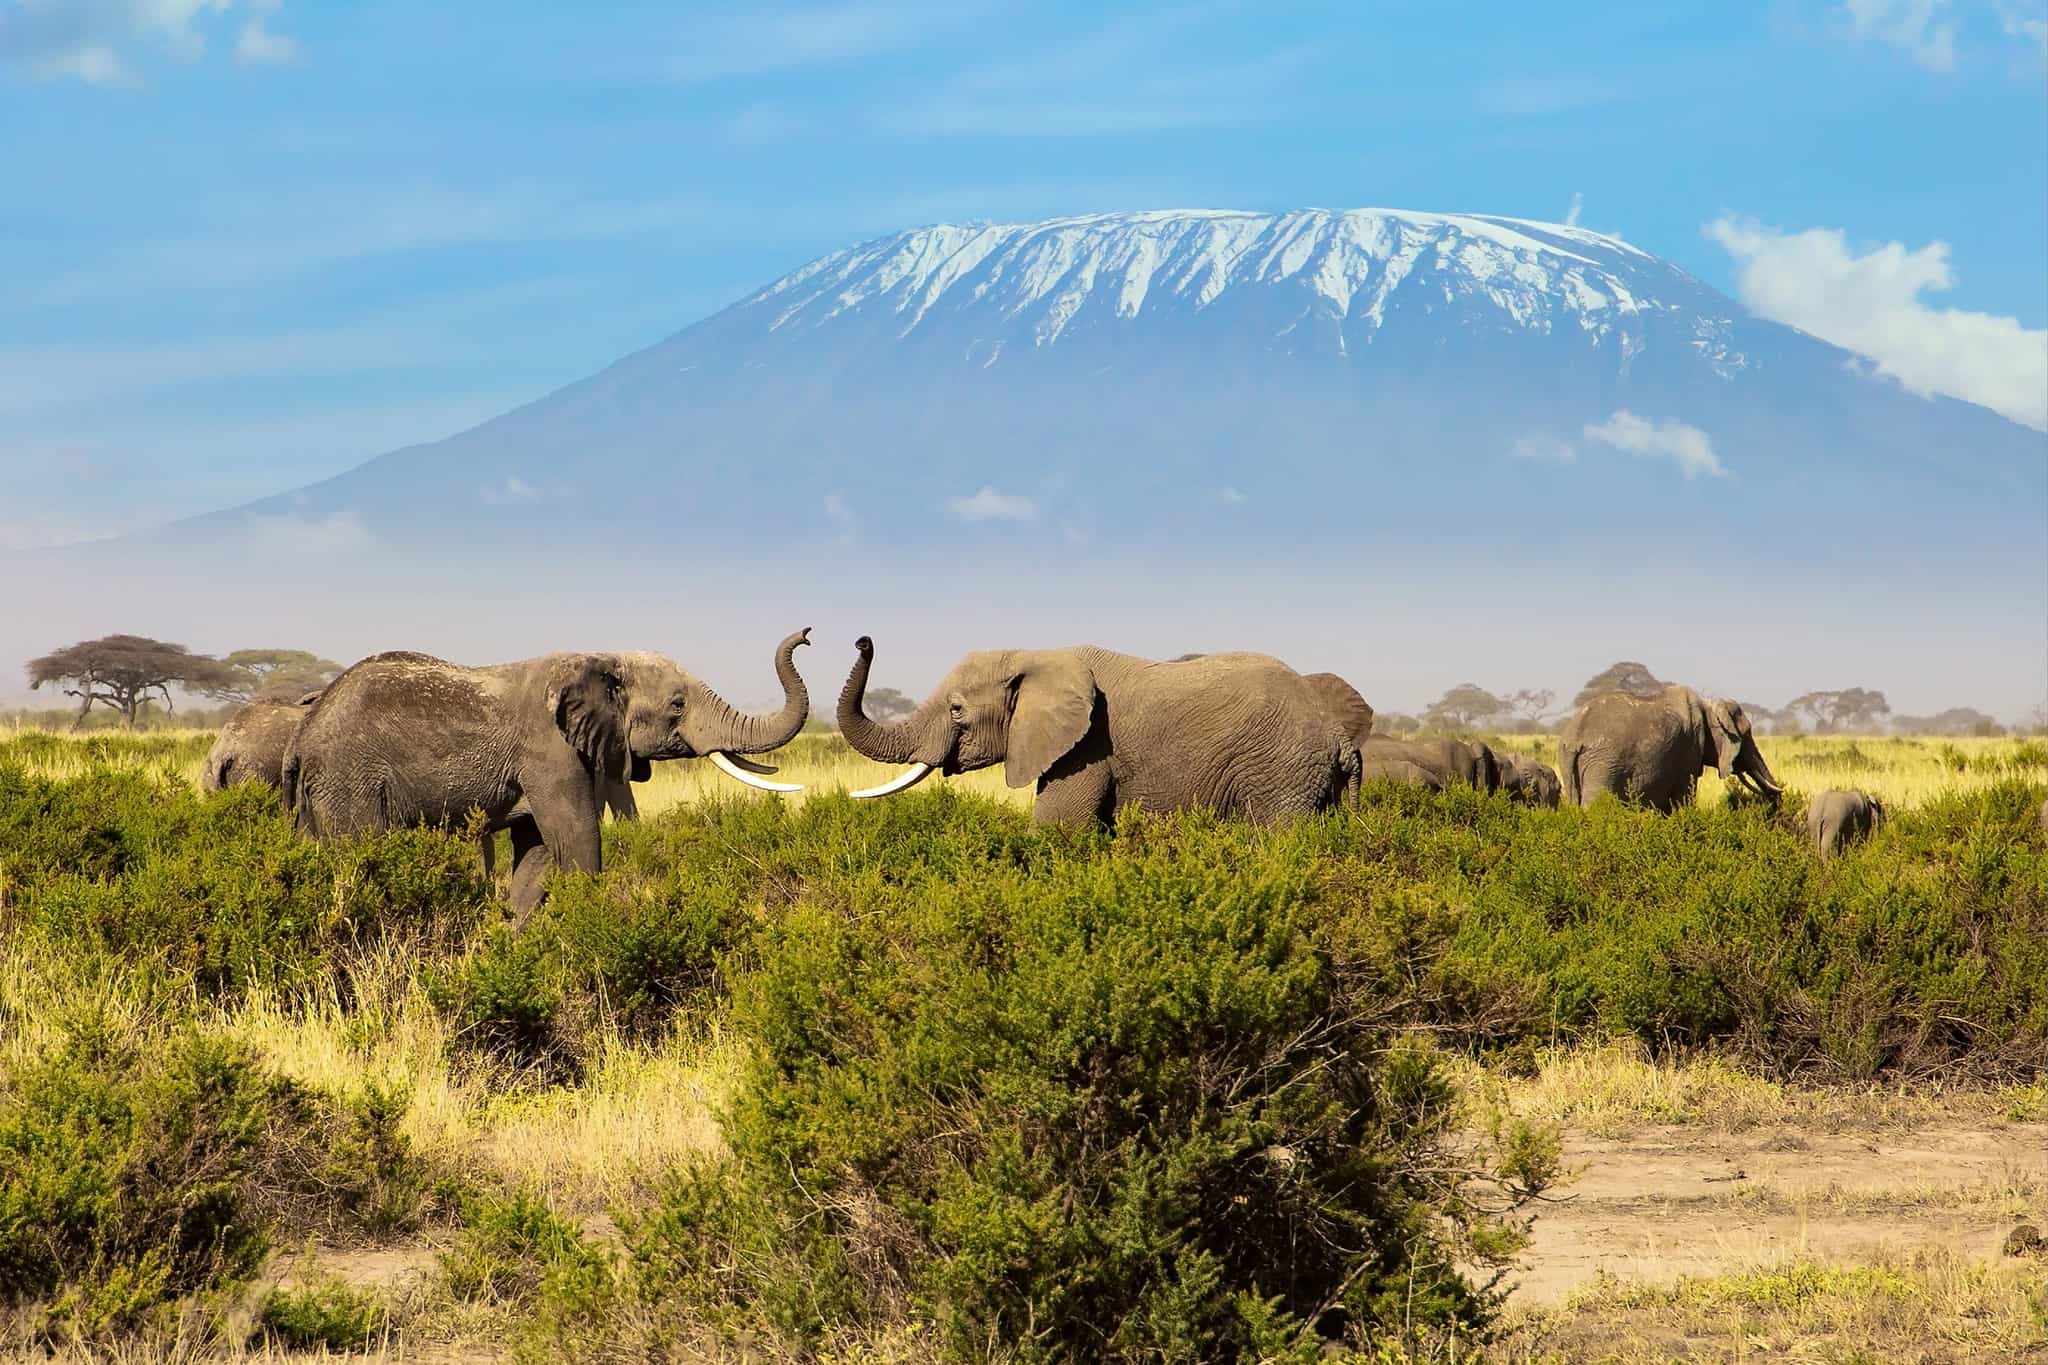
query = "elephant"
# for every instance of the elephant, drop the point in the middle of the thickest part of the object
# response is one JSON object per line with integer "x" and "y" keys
{"x": 1432, "y": 763}
{"x": 251, "y": 744}
{"x": 408, "y": 739}
{"x": 1526, "y": 780}
{"x": 1837, "y": 819}
{"x": 1652, "y": 749}
{"x": 1093, "y": 731}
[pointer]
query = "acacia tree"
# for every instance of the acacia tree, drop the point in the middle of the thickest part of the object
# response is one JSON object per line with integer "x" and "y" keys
{"x": 121, "y": 672}
{"x": 286, "y": 673}
{"x": 886, "y": 704}
{"x": 1853, "y": 708}
{"x": 1625, "y": 676}
{"x": 1531, "y": 703}
{"x": 1463, "y": 707}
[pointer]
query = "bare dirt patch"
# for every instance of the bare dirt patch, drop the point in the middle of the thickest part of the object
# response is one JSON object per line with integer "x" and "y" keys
{"x": 1673, "y": 1201}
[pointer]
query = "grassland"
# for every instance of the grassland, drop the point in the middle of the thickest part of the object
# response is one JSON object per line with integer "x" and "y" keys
{"x": 1666, "y": 999}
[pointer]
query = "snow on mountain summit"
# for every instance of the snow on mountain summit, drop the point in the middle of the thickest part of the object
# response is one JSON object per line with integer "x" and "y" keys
{"x": 1349, "y": 267}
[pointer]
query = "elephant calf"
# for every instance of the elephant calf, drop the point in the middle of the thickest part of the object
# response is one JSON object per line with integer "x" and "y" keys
{"x": 251, "y": 745}
{"x": 1837, "y": 819}
{"x": 1526, "y": 780}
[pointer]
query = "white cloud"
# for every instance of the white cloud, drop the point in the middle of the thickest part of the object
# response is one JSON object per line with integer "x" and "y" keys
{"x": 513, "y": 489}
{"x": 2027, "y": 21}
{"x": 102, "y": 42}
{"x": 1870, "y": 303}
{"x": 989, "y": 505}
{"x": 292, "y": 537}
{"x": 1925, "y": 30}
{"x": 1667, "y": 439}
{"x": 1227, "y": 496}
{"x": 1543, "y": 449}
{"x": 1571, "y": 214}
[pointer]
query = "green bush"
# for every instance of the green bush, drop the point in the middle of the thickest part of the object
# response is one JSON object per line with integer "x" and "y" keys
{"x": 513, "y": 1247}
{"x": 1119, "y": 1105}
{"x": 220, "y": 890}
{"x": 129, "y": 1176}
{"x": 329, "y": 1313}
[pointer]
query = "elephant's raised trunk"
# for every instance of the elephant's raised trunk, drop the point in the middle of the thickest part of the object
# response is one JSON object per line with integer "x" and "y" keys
{"x": 882, "y": 743}
{"x": 743, "y": 734}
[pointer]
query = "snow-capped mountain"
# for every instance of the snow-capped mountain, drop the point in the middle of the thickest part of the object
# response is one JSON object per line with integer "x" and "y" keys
{"x": 1342, "y": 273}
{"x": 1310, "y": 385}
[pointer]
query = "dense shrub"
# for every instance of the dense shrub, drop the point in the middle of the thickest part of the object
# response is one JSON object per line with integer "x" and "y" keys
{"x": 219, "y": 889}
{"x": 129, "y": 1176}
{"x": 1125, "y": 1105}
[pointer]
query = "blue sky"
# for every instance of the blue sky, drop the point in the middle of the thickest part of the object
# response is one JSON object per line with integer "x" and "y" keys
{"x": 244, "y": 243}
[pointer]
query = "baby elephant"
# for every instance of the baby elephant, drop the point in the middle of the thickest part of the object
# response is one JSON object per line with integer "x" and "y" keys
{"x": 1837, "y": 819}
{"x": 1526, "y": 780}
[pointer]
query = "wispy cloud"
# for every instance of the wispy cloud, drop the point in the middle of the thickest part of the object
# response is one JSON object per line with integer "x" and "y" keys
{"x": 109, "y": 42}
{"x": 1869, "y": 301}
{"x": 1925, "y": 30}
{"x": 991, "y": 505}
{"x": 1576, "y": 207}
{"x": 1665, "y": 439}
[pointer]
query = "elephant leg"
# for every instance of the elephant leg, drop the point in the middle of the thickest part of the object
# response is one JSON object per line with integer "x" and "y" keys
{"x": 488, "y": 847}
{"x": 619, "y": 796}
{"x": 563, "y": 820}
{"x": 531, "y": 864}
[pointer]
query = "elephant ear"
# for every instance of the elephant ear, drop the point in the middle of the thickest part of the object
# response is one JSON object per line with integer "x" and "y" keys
{"x": 1489, "y": 766}
{"x": 1341, "y": 700}
{"x": 1724, "y": 731}
{"x": 590, "y": 712}
{"x": 1052, "y": 705}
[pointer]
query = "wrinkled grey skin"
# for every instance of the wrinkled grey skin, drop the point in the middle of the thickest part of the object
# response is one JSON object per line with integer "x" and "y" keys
{"x": 251, "y": 744}
{"x": 1432, "y": 763}
{"x": 1526, "y": 780}
{"x": 1653, "y": 749}
{"x": 1094, "y": 731}
{"x": 1837, "y": 819}
{"x": 407, "y": 739}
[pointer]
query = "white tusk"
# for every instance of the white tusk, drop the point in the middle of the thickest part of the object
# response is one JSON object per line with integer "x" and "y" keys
{"x": 762, "y": 768}
{"x": 909, "y": 777}
{"x": 739, "y": 774}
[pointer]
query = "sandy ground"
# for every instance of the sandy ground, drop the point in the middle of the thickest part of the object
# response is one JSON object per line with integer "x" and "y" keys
{"x": 1672, "y": 1201}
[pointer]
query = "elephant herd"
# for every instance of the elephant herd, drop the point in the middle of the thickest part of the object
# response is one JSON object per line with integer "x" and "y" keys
{"x": 544, "y": 746}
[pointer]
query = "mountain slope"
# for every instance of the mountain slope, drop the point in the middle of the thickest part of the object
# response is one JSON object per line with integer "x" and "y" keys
{"x": 1221, "y": 385}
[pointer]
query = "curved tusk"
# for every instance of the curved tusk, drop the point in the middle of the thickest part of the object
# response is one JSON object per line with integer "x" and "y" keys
{"x": 739, "y": 774}
{"x": 763, "y": 769}
{"x": 909, "y": 777}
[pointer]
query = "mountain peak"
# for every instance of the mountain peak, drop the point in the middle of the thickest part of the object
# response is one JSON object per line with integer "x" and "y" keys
{"x": 1346, "y": 265}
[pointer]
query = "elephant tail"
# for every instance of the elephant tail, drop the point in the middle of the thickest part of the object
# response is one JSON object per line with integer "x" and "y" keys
{"x": 214, "y": 777}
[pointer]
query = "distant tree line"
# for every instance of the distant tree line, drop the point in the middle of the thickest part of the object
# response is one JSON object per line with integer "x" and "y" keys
{"x": 134, "y": 676}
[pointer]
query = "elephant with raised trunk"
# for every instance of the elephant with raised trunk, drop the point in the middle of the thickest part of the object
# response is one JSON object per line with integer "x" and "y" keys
{"x": 407, "y": 739}
{"x": 252, "y": 743}
{"x": 1836, "y": 819}
{"x": 1094, "y": 731}
{"x": 1653, "y": 749}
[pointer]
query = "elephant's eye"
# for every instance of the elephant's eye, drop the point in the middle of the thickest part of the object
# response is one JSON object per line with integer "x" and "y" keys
{"x": 676, "y": 706}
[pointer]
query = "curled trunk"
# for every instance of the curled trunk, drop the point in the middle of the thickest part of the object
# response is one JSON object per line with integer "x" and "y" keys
{"x": 870, "y": 739}
{"x": 735, "y": 733}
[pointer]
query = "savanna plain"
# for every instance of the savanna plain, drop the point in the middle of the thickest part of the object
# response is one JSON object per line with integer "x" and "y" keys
{"x": 1434, "y": 1078}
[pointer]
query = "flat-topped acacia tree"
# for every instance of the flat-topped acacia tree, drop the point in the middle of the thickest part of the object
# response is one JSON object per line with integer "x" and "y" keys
{"x": 121, "y": 672}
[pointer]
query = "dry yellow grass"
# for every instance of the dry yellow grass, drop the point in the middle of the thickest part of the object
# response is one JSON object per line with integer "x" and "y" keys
{"x": 1612, "y": 1089}
{"x": 1928, "y": 1307}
